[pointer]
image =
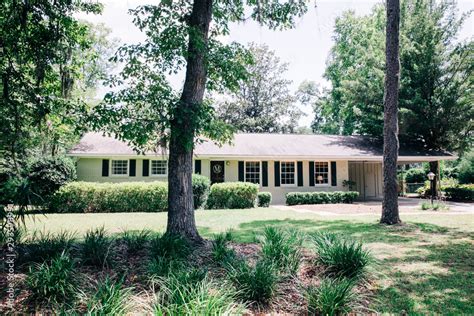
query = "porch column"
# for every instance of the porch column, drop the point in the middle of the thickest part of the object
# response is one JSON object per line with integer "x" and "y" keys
{"x": 434, "y": 167}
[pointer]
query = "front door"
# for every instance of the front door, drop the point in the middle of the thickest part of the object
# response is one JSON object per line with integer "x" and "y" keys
{"x": 217, "y": 171}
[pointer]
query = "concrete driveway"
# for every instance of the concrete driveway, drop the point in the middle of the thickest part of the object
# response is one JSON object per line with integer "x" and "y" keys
{"x": 407, "y": 205}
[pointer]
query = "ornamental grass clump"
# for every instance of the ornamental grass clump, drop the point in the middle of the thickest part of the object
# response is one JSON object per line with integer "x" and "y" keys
{"x": 282, "y": 248}
{"x": 254, "y": 284}
{"x": 331, "y": 297}
{"x": 170, "y": 247}
{"x": 53, "y": 282}
{"x": 221, "y": 253}
{"x": 97, "y": 248}
{"x": 109, "y": 298}
{"x": 45, "y": 245}
{"x": 135, "y": 241}
{"x": 341, "y": 257}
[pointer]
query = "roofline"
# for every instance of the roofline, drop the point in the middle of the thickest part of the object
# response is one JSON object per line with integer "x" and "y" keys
{"x": 272, "y": 157}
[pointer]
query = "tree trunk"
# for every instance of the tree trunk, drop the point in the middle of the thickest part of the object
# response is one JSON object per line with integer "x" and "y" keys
{"x": 434, "y": 167}
{"x": 390, "y": 213}
{"x": 181, "y": 219}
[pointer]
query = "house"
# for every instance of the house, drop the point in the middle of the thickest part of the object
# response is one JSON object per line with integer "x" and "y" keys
{"x": 279, "y": 163}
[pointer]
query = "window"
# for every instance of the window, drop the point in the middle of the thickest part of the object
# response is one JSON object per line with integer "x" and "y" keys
{"x": 159, "y": 167}
{"x": 321, "y": 172}
{"x": 252, "y": 171}
{"x": 287, "y": 173}
{"x": 119, "y": 167}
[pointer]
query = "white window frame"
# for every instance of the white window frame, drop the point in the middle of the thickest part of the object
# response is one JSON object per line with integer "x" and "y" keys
{"x": 112, "y": 174}
{"x": 259, "y": 171}
{"x": 296, "y": 174}
{"x": 316, "y": 184}
{"x": 158, "y": 175}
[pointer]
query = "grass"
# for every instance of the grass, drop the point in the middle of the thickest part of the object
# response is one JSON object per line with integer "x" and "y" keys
{"x": 109, "y": 298}
{"x": 425, "y": 266}
{"x": 331, "y": 297}
{"x": 436, "y": 206}
{"x": 96, "y": 248}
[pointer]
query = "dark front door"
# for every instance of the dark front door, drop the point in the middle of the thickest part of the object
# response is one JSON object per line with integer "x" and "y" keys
{"x": 217, "y": 171}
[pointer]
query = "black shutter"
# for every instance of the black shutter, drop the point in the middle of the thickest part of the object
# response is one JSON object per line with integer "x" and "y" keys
{"x": 311, "y": 173}
{"x": 133, "y": 168}
{"x": 265, "y": 173}
{"x": 146, "y": 167}
{"x": 197, "y": 166}
{"x": 333, "y": 174}
{"x": 241, "y": 171}
{"x": 277, "y": 173}
{"x": 299, "y": 169}
{"x": 105, "y": 167}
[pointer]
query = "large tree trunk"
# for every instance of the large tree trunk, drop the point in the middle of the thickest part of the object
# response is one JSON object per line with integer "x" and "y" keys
{"x": 390, "y": 213}
{"x": 180, "y": 196}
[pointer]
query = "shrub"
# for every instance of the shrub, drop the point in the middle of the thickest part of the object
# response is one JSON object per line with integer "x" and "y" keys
{"x": 85, "y": 197}
{"x": 416, "y": 175}
{"x": 331, "y": 297}
{"x": 233, "y": 195}
{"x": 170, "y": 247}
{"x": 221, "y": 253}
{"x": 254, "y": 283}
{"x": 47, "y": 175}
{"x": 135, "y": 240}
{"x": 201, "y": 185}
{"x": 109, "y": 298}
{"x": 342, "y": 257}
{"x": 462, "y": 192}
{"x": 97, "y": 248}
{"x": 264, "y": 199}
{"x": 466, "y": 168}
{"x": 46, "y": 246}
{"x": 283, "y": 248}
{"x": 435, "y": 206}
{"x": 295, "y": 198}
{"x": 54, "y": 281}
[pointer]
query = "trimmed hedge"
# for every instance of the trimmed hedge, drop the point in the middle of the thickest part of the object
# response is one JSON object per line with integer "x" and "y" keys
{"x": 462, "y": 192}
{"x": 264, "y": 199}
{"x": 295, "y": 198}
{"x": 90, "y": 197}
{"x": 232, "y": 195}
{"x": 201, "y": 185}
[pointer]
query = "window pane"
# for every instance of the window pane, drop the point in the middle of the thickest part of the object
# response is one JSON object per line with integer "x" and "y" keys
{"x": 119, "y": 167}
{"x": 287, "y": 172}
{"x": 159, "y": 167}
{"x": 321, "y": 172}
{"x": 252, "y": 171}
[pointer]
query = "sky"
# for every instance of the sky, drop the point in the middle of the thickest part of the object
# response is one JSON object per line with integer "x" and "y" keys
{"x": 305, "y": 48}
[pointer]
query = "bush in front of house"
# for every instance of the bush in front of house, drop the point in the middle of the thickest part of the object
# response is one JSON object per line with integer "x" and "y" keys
{"x": 295, "y": 198}
{"x": 415, "y": 175}
{"x": 90, "y": 197}
{"x": 461, "y": 192}
{"x": 264, "y": 199}
{"x": 232, "y": 195}
{"x": 466, "y": 168}
{"x": 201, "y": 186}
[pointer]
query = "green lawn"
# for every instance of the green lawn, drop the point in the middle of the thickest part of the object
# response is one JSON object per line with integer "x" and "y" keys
{"x": 426, "y": 266}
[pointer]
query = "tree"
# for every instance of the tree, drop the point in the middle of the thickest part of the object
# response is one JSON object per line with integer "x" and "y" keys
{"x": 435, "y": 83}
{"x": 39, "y": 43}
{"x": 263, "y": 103}
{"x": 149, "y": 114}
{"x": 390, "y": 213}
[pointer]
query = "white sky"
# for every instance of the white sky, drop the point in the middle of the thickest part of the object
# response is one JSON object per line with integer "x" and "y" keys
{"x": 305, "y": 47}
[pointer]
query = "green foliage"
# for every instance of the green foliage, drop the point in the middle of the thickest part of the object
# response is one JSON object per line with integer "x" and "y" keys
{"x": 255, "y": 284}
{"x": 466, "y": 168}
{"x": 434, "y": 207}
{"x": 97, "y": 248}
{"x": 295, "y": 198}
{"x": 53, "y": 281}
{"x": 221, "y": 253}
{"x": 233, "y": 195}
{"x": 332, "y": 297}
{"x": 263, "y": 103}
{"x": 462, "y": 192}
{"x": 264, "y": 199}
{"x": 201, "y": 185}
{"x": 109, "y": 298}
{"x": 282, "y": 248}
{"x": 342, "y": 257}
{"x": 162, "y": 266}
{"x": 135, "y": 240}
{"x": 436, "y": 80}
{"x": 47, "y": 175}
{"x": 416, "y": 175}
{"x": 170, "y": 247}
{"x": 85, "y": 197}
{"x": 44, "y": 246}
